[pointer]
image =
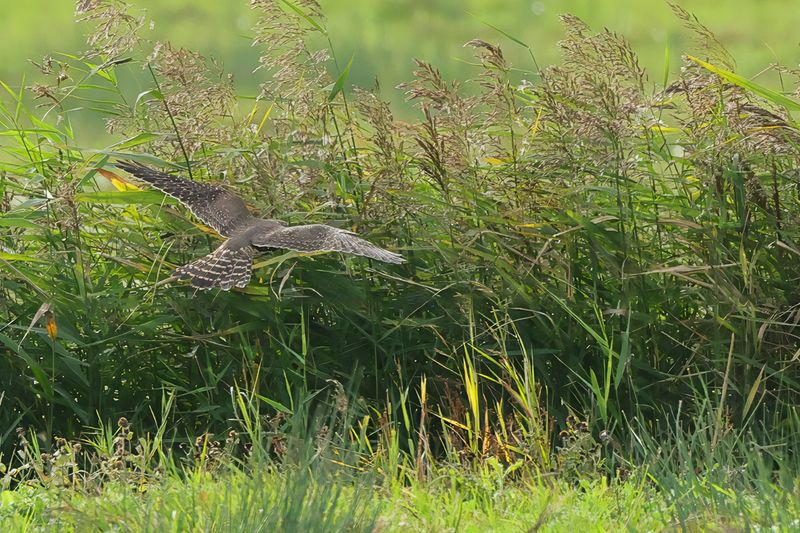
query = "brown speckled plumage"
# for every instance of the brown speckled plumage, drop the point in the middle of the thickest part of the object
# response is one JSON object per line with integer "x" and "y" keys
{"x": 232, "y": 262}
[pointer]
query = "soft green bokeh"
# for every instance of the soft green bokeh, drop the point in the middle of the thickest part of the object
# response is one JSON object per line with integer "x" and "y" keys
{"x": 386, "y": 35}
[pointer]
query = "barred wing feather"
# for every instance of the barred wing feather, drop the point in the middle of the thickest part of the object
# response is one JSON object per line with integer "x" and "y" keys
{"x": 322, "y": 238}
{"x": 212, "y": 204}
{"x": 224, "y": 268}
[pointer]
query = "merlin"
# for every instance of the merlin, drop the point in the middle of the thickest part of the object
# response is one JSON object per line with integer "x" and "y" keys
{"x": 231, "y": 264}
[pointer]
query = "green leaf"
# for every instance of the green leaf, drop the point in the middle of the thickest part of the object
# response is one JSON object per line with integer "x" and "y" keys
{"x": 501, "y": 31}
{"x": 142, "y": 138}
{"x": 124, "y": 197}
{"x": 20, "y": 257}
{"x": 598, "y": 394}
{"x": 624, "y": 354}
{"x": 14, "y": 222}
{"x": 305, "y": 17}
{"x": 274, "y": 404}
{"x": 142, "y": 158}
{"x": 744, "y": 83}
{"x": 37, "y": 371}
{"x": 154, "y": 93}
{"x": 68, "y": 363}
{"x": 337, "y": 87}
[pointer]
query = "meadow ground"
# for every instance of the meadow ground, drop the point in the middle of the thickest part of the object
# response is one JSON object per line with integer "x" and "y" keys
{"x": 259, "y": 503}
{"x": 313, "y": 484}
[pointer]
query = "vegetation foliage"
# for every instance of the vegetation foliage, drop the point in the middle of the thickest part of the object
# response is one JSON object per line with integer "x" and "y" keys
{"x": 601, "y": 275}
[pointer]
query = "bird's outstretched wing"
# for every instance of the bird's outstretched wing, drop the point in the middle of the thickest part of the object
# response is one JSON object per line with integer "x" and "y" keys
{"x": 322, "y": 238}
{"x": 212, "y": 204}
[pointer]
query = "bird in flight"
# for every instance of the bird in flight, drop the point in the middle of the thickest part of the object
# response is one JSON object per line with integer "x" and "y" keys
{"x": 231, "y": 264}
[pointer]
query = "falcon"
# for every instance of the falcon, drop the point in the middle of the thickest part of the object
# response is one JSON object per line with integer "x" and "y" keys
{"x": 231, "y": 264}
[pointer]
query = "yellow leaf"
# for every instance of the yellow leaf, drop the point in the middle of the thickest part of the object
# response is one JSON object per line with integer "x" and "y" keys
{"x": 533, "y": 225}
{"x": 52, "y": 328}
{"x": 665, "y": 129}
{"x": 119, "y": 183}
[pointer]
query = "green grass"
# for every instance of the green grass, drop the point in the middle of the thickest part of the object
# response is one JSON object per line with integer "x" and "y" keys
{"x": 235, "y": 504}
{"x": 322, "y": 497}
{"x": 322, "y": 483}
{"x": 240, "y": 502}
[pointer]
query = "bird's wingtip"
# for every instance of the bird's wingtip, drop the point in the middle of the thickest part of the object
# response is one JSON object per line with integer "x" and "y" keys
{"x": 395, "y": 258}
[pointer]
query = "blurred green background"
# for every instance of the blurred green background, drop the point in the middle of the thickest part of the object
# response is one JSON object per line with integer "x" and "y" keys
{"x": 386, "y": 35}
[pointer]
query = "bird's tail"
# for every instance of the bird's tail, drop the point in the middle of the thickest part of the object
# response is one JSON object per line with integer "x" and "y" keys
{"x": 223, "y": 268}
